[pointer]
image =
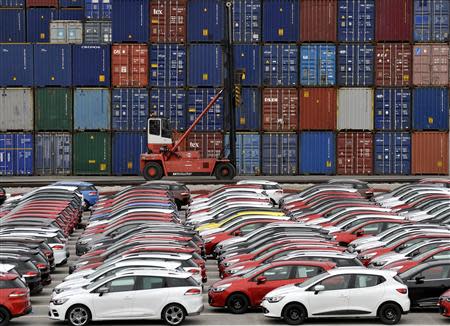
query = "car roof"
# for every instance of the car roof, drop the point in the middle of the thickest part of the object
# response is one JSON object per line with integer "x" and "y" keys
{"x": 256, "y": 182}
{"x": 165, "y": 182}
{"x": 6, "y": 267}
{"x": 146, "y": 262}
{"x": 156, "y": 272}
{"x": 72, "y": 183}
{"x": 324, "y": 254}
{"x": 361, "y": 270}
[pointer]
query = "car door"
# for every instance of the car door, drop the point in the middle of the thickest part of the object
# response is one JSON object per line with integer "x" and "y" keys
{"x": 274, "y": 278}
{"x": 365, "y": 294}
{"x": 150, "y": 296}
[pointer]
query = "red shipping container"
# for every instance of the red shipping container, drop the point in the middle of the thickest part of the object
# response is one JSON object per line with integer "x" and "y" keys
{"x": 393, "y": 64}
{"x": 430, "y": 65}
{"x": 393, "y": 20}
{"x": 130, "y": 65}
{"x": 168, "y": 21}
{"x": 42, "y": 3}
{"x": 318, "y": 107}
{"x": 354, "y": 153}
{"x": 318, "y": 20}
{"x": 210, "y": 144}
{"x": 430, "y": 153}
{"x": 280, "y": 109}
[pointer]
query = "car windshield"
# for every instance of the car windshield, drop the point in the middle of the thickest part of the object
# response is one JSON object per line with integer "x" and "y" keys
{"x": 254, "y": 272}
{"x": 311, "y": 280}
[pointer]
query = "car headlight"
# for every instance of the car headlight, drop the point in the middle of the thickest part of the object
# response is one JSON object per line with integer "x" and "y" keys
{"x": 274, "y": 299}
{"x": 444, "y": 299}
{"x": 58, "y": 291}
{"x": 221, "y": 288}
{"x": 61, "y": 301}
{"x": 379, "y": 263}
{"x": 208, "y": 240}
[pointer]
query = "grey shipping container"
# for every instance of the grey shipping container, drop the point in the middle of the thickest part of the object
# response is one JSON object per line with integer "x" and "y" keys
{"x": 66, "y": 31}
{"x": 53, "y": 153}
{"x": 355, "y": 109}
{"x": 97, "y": 32}
{"x": 16, "y": 109}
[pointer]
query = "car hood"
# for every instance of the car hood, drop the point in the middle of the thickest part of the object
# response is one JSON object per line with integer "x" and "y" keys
{"x": 369, "y": 245}
{"x": 284, "y": 290}
{"x": 388, "y": 257}
{"x": 210, "y": 232}
{"x": 76, "y": 283}
{"x": 226, "y": 281}
{"x": 69, "y": 293}
{"x": 78, "y": 275}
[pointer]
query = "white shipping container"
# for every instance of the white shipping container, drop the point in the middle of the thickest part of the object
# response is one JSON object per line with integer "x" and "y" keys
{"x": 66, "y": 31}
{"x": 16, "y": 109}
{"x": 355, "y": 109}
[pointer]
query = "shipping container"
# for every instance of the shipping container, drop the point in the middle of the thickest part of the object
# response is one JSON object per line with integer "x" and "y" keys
{"x": 393, "y": 109}
{"x": 248, "y": 111}
{"x": 66, "y": 31}
{"x": 168, "y": 65}
{"x": 210, "y": 145}
{"x": 16, "y": 65}
{"x": 393, "y": 64}
{"x": 355, "y": 109}
{"x": 355, "y": 65}
{"x": 127, "y": 148}
{"x": 52, "y": 65}
{"x": 281, "y": 21}
{"x": 71, "y": 14}
{"x": 16, "y": 154}
{"x": 205, "y": 66}
{"x": 356, "y": 20}
{"x": 354, "y": 153}
{"x": 392, "y": 151}
{"x": 280, "y": 64}
{"x": 169, "y": 103}
{"x": 16, "y": 109}
{"x": 430, "y": 62}
{"x": 430, "y": 108}
{"x": 91, "y": 65}
{"x": 38, "y": 24}
{"x": 92, "y": 153}
{"x": 205, "y": 20}
{"x": 91, "y": 109}
{"x": 248, "y": 153}
{"x": 42, "y": 3}
{"x": 318, "y": 20}
{"x": 246, "y": 21}
{"x": 279, "y": 153}
{"x": 280, "y": 109}
{"x": 12, "y": 26}
{"x": 12, "y": 3}
{"x": 430, "y": 153}
{"x": 247, "y": 64}
{"x": 98, "y": 9}
{"x": 197, "y": 100}
{"x": 317, "y": 65}
{"x": 393, "y": 20}
{"x": 129, "y": 65}
{"x": 71, "y": 3}
{"x": 318, "y": 108}
{"x": 168, "y": 21}
{"x": 131, "y": 20}
{"x": 53, "y": 109}
{"x": 97, "y": 32}
{"x": 53, "y": 154}
{"x": 317, "y": 152}
{"x": 129, "y": 109}
{"x": 431, "y": 20}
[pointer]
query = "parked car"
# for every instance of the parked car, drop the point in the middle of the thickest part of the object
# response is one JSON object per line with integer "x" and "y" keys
{"x": 271, "y": 188}
{"x": 180, "y": 191}
{"x": 444, "y": 303}
{"x": 88, "y": 190}
{"x": 363, "y": 187}
{"x": 2, "y": 195}
{"x": 14, "y": 298}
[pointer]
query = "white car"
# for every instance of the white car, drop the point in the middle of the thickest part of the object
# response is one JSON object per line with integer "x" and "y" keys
{"x": 272, "y": 189}
{"x": 341, "y": 292}
{"x": 147, "y": 294}
{"x": 345, "y": 211}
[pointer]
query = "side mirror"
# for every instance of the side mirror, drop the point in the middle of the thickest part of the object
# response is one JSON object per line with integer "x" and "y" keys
{"x": 237, "y": 233}
{"x": 359, "y": 233}
{"x": 318, "y": 288}
{"x": 102, "y": 290}
{"x": 420, "y": 279}
{"x": 261, "y": 280}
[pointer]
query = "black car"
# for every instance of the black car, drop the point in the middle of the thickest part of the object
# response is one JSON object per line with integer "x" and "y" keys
{"x": 26, "y": 268}
{"x": 2, "y": 195}
{"x": 362, "y": 186}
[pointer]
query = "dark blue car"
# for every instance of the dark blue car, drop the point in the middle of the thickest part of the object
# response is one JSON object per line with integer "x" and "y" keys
{"x": 88, "y": 190}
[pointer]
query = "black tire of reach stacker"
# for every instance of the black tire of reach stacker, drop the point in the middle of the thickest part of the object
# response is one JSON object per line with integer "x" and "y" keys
{"x": 225, "y": 171}
{"x": 152, "y": 171}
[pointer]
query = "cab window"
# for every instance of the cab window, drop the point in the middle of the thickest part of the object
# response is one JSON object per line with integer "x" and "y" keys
{"x": 154, "y": 127}
{"x": 337, "y": 282}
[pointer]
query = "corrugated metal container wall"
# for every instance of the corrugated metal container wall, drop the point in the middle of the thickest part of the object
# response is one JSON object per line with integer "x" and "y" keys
{"x": 53, "y": 154}
{"x": 393, "y": 20}
{"x": 318, "y": 20}
{"x": 53, "y": 109}
{"x": 16, "y": 154}
{"x": 205, "y": 20}
{"x": 71, "y": 14}
{"x": 92, "y": 153}
{"x": 197, "y": 100}
{"x": 66, "y": 31}
{"x": 392, "y": 151}
{"x": 97, "y": 32}
{"x": 247, "y": 60}
{"x": 280, "y": 109}
{"x": 16, "y": 65}
{"x": 248, "y": 153}
{"x": 92, "y": 65}
{"x": 356, "y": 20}
{"x": 38, "y": 24}
{"x": 430, "y": 109}
{"x": 168, "y": 21}
{"x": 355, "y": 65}
{"x": 431, "y": 20}
{"x": 12, "y": 3}
{"x": 393, "y": 65}
{"x": 205, "y": 65}
{"x": 135, "y": 29}
{"x": 281, "y": 21}
{"x": 354, "y": 153}
{"x": 52, "y": 65}
{"x": 430, "y": 62}
{"x": 71, "y": 3}
{"x": 246, "y": 21}
{"x": 393, "y": 109}
{"x": 98, "y": 9}
{"x": 430, "y": 153}
{"x": 355, "y": 109}
{"x": 248, "y": 113}
{"x": 129, "y": 65}
{"x": 209, "y": 144}
{"x": 171, "y": 104}
{"x": 317, "y": 65}
{"x": 167, "y": 65}
{"x": 279, "y": 153}
{"x": 318, "y": 108}
{"x": 16, "y": 109}
{"x": 127, "y": 148}
{"x": 91, "y": 109}
{"x": 317, "y": 152}
{"x": 42, "y": 3}
{"x": 280, "y": 64}
{"x": 12, "y": 25}
{"x": 129, "y": 109}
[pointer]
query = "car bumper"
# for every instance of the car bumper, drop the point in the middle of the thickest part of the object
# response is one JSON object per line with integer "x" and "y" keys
{"x": 56, "y": 312}
{"x": 196, "y": 311}
{"x": 272, "y": 310}
{"x": 217, "y": 299}
{"x": 61, "y": 256}
{"x": 27, "y": 310}
{"x": 444, "y": 308}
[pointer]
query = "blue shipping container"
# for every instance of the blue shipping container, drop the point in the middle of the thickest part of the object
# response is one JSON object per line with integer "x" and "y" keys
{"x": 52, "y": 65}
{"x": 12, "y": 3}
{"x": 205, "y": 20}
{"x": 356, "y": 20}
{"x": 246, "y": 21}
{"x": 53, "y": 154}
{"x": 16, "y": 154}
{"x": 392, "y": 153}
{"x": 71, "y": 3}
{"x": 248, "y": 113}
{"x": 317, "y": 152}
{"x": 16, "y": 65}
{"x": 127, "y": 148}
{"x": 131, "y": 19}
{"x": 430, "y": 108}
{"x": 91, "y": 109}
{"x": 317, "y": 65}
{"x": 129, "y": 109}
{"x": 281, "y": 21}
{"x": 197, "y": 100}
{"x": 98, "y": 9}
{"x": 38, "y": 24}
{"x": 169, "y": 103}
{"x": 280, "y": 64}
{"x": 92, "y": 65}
{"x": 205, "y": 65}
{"x": 393, "y": 109}
{"x": 431, "y": 20}
{"x": 279, "y": 153}
{"x": 167, "y": 65}
{"x": 12, "y": 26}
{"x": 355, "y": 65}
{"x": 71, "y": 14}
{"x": 248, "y": 153}
{"x": 247, "y": 61}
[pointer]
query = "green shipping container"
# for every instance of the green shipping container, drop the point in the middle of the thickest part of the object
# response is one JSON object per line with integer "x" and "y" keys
{"x": 92, "y": 153}
{"x": 53, "y": 109}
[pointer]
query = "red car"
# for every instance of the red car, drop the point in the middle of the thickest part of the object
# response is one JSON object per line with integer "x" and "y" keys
{"x": 444, "y": 303}
{"x": 14, "y": 297}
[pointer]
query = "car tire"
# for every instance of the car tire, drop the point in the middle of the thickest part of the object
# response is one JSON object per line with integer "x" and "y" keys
{"x": 225, "y": 171}
{"x": 173, "y": 314}
{"x": 390, "y": 313}
{"x": 294, "y": 314}
{"x": 152, "y": 171}
{"x": 237, "y": 303}
{"x": 78, "y": 315}
{"x": 4, "y": 316}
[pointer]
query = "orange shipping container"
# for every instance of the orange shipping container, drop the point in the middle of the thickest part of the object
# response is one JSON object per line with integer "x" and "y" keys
{"x": 210, "y": 144}
{"x": 393, "y": 64}
{"x": 430, "y": 65}
{"x": 354, "y": 153}
{"x": 318, "y": 108}
{"x": 430, "y": 153}
{"x": 129, "y": 65}
{"x": 280, "y": 109}
{"x": 168, "y": 21}
{"x": 318, "y": 20}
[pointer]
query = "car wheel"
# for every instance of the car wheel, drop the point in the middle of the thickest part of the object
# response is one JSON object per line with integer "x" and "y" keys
{"x": 390, "y": 314}
{"x": 173, "y": 314}
{"x": 294, "y": 314}
{"x": 4, "y": 316}
{"x": 152, "y": 171}
{"x": 78, "y": 315}
{"x": 237, "y": 303}
{"x": 225, "y": 171}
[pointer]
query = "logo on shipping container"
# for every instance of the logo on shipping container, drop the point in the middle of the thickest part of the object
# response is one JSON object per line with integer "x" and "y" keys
{"x": 271, "y": 99}
{"x": 157, "y": 12}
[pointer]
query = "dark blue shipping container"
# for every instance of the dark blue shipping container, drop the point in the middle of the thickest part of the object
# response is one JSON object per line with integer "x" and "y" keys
{"x": 52, "y": 65}
{"x": 167, "y": 65}
{"x": 71, "y": 14}
{"x": 38, "y": 24}
{"x": 430, "y": 108}
{"x": 16, "y": 65}
{"x": 131, "y": 19}
{"x": 98, "y": 9}
{"x": 205, "y": 20}
{"x": 169, "y": 103}
{"x": 248, "y": 113}
{"x": 317, "y": 65}
{"x": 317, "y": 152}
{"x": 248, "y": 153}
{"x": 393, "y": 109}
{"x": 356, "y": 20}
{"x": 246, "y": 21}
{"x": 355, "y": 65}
{"x": 92, "y": 64}
{"x": 205, "y": 65}
{"x": 127, "y": 148}
{"x": 431, "y": 20}
{"x": 12, "y": 3}
{"x": 12, "y": 26}
{"x": 392, "y": 153}
{"x": 281, "y": 21}
{"x": 247, "y": 60}
{"x": 91, "y": 109}
{"x": 197, "y": 100}
{"x": 279, "y": 153}
{"x": 71, "y": 3}
{"x": 16, "y": 154}
{"x": 280, "y": 64}
{"x": 129, "y": 109}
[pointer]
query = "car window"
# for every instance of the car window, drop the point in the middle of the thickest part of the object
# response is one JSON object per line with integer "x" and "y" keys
{"x": 337, "y": 282}
{"x": 121, "y": 284}
{"x": 12, "y": 284}
{"x": 435, "y": 272}
{"x": 151, "y": 282}
{"x": 249, "y": 228}
{"x": 373, "y": 228}
{"x": 277, "y": 273}
{"x": 305, "y": 271}
{"x": 271, "y": 187}
{"x": 180, "y": 282}
{"x": 365, "y": 281}
{"x": 441, "y": 255}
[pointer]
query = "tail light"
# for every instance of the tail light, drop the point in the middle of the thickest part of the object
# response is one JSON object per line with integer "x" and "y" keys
{"x": 41, "y": 266}
{"x": 17, "y": 294}
{"x": 184, "y": 194}
{"x": 58, "y": 247}
{"x": 193, "y": 271}
{"x": 48, "y": 253}
{"x": 193, "y": 292}
{"x": 402, "y": 291}
{"x": 30, "y": 274}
